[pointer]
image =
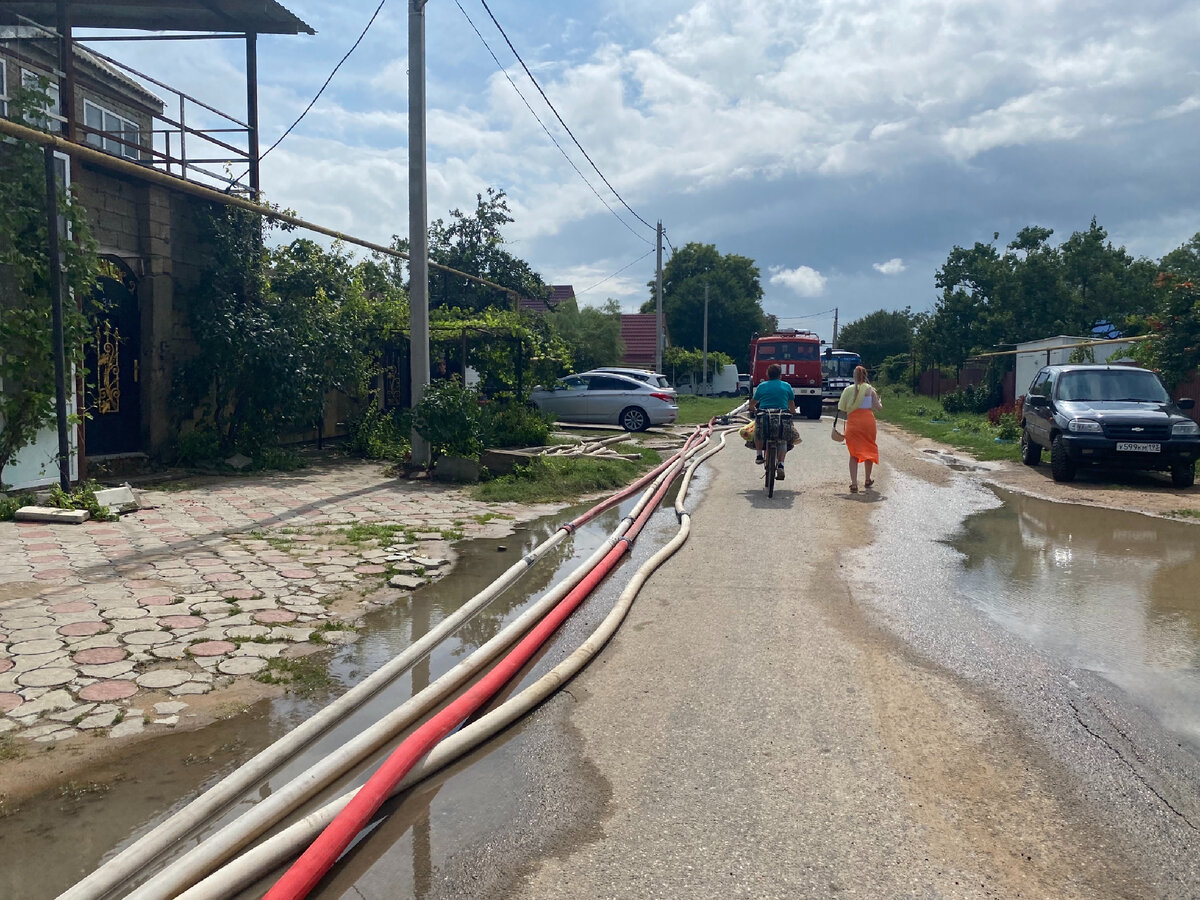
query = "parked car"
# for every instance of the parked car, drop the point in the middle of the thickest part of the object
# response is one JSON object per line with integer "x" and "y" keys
{"x": 603, "y": 398}
{"x": 744, "y": 383}
{"x": 652, "y": 378}
{"x": 1107, "y": 415}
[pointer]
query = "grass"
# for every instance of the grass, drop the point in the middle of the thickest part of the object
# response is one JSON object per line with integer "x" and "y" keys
{"x": 547, "y": 479}
{"x": 970, "y": 432}
{"x": 695, "y": 410}
{"x": 1185, "y": 513}
{"x": 361, "y": 534}
{"x": 301, "y": 675}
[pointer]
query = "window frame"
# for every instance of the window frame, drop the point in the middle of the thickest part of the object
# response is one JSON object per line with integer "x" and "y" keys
{"x": 4, "y": 88}
{"x": 54, "y": 90}
{"x": 102, "y": 134}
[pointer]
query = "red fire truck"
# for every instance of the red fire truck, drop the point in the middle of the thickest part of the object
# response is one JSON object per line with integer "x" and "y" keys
{"x": 799, "y": 355}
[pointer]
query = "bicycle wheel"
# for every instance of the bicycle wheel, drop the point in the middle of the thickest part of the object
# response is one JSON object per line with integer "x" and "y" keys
{"x": 769, "y": 474}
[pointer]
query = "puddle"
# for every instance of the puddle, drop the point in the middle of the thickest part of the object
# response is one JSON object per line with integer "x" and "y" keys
{"x": 127, "y": 797}
{"x": 1103, "y": 590}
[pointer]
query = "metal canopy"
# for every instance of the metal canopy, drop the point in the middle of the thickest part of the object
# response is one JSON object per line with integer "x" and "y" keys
{"x": 251, "y": 16}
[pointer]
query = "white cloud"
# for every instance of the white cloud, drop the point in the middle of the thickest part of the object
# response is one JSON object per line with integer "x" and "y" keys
{"x": 893, "y": 266}
{"x": 805, "y": 281}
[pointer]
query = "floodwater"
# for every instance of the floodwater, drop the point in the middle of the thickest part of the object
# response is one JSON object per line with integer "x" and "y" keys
{"x": 114, "y": 803}
{"x": 1111, "y": 592}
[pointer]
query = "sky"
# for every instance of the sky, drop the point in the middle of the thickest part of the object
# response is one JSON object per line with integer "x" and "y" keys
{"x": 845, "y": 146}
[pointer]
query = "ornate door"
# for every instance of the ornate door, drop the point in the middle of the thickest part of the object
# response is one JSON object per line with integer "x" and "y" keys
{"x": 113, "y": 391}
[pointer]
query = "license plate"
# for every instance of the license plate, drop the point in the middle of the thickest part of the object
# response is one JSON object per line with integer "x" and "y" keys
{"x": 1134, "y": 447}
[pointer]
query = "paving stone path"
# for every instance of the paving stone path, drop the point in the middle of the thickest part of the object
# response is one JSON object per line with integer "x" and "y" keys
{"x": 207, "y": 585}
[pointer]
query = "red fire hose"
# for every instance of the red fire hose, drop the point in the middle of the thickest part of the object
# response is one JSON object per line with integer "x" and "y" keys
{"x": 312, "y": 865}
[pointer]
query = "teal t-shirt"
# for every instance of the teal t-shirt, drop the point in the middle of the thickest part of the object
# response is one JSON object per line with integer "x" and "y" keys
{"x": 774, "y": 393}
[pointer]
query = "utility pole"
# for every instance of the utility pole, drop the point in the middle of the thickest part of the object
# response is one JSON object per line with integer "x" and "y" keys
{"x": 658, "y": 314}
{"x": 833, "y": 346}
{"x": 418, "y": 203}
{"x": 706, "y": 338}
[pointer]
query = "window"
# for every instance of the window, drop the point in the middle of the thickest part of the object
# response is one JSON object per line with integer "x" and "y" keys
{"x": 115, "y": 128}
{"x": 34, "y": 81}
{"x": 608, "y": 383}
{"x": 1041, "y": 383}
{"x": 3, "y": 88}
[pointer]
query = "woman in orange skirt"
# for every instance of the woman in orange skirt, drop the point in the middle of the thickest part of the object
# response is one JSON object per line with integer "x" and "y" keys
{"x": 858, "y": 402}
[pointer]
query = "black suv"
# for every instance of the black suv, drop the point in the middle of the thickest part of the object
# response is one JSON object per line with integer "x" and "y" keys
{"x": 1107, "y": 415}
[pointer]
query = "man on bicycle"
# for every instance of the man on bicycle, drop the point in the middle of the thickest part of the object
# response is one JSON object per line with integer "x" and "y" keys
{"x": 774, "y": 393}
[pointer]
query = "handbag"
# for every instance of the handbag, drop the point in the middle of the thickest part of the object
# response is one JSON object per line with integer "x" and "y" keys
{"x": 834, "y": 434}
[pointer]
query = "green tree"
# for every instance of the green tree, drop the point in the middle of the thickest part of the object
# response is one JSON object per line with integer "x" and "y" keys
{"x": 475, "y": 244}
{"x": 593, "y": 334}
{"x": 27, "y": 383}
{"x": 287, "y": 325}
{"x": 880, "y": 334}
{"x": 735, "y": 310}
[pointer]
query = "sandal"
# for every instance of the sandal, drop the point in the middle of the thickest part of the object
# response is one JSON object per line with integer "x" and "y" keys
{"x": 869, "y": 482}
{"x": 854, "y": 488}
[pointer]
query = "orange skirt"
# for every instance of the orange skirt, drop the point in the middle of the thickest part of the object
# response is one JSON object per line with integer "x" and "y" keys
{"x": 860, "y": 436}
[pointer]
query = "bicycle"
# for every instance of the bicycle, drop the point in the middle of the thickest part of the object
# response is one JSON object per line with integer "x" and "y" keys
{"x": 775, "y": 426}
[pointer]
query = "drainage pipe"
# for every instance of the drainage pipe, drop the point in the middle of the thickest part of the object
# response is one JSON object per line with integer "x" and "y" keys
{"x": 264, "y": 858}
{"x": 136, "y": 857}
{"x": 312, "y": 865}
{"x": 200, "y": 860}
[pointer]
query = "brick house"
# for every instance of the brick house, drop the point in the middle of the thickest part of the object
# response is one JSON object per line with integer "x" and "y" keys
{"x": 143, "y": 230}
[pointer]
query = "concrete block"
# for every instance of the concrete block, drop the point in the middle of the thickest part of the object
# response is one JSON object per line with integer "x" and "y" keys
{"x": 52, "y": 514}
{"x": 454, "y": 468}
{"x": 118, "y": 499}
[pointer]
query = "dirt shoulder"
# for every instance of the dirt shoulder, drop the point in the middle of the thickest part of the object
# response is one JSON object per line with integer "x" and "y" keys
{"x": 1149, "y": 493}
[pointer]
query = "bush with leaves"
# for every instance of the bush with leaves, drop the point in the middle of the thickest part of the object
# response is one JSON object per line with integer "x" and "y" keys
{"x": 381, "y": 433}
{"x": 510, "y": 423}
{"x": 450, "y": 418}
{"x": 26, "y": 338}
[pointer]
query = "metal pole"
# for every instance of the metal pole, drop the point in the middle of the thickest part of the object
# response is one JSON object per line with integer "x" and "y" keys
{"x": 706, "y": 391}
{"x": 251, "y": 112}
{"x": 658, "y": 313}
{"x": 56, "y": 306}
{"x": 418, "y": 263}
{"x": 833, "y": 346}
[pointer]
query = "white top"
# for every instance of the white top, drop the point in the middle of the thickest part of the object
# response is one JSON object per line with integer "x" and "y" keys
{"x": 867, "y": 401}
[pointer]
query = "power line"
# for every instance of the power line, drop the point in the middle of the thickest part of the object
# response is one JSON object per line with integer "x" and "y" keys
{"x": 317, "y": 96}
{"x": 560, "y": 118}
{"x": 807, "y": 316}
{"x": 500, "y": 66}
{"x": 616, "y": 273}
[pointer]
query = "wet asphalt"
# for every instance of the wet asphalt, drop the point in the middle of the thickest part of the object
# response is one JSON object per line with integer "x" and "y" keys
{"x": 803, "y": 703}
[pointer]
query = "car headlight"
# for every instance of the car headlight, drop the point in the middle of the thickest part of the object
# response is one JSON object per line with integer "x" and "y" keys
{"x": 1185, "y": 428}
{"x": 1085, "y": 426}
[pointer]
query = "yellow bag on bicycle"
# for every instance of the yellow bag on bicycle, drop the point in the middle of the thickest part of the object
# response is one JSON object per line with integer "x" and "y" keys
{"x": 746, "y": 432}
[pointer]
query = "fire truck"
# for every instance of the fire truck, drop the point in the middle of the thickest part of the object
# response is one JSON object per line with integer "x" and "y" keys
{"x": 798, "y": 353}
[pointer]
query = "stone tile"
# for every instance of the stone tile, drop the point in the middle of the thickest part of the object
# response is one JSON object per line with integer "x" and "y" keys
{"x": 108, "y": 690}
{"x": 127, "y": 728}
{"x": 99, "y": 719}
{"x": 51, "y": 701}
{"x": 170, "y": 707}
{"x": 51, "y": 676}
{"x": 75, "y": 712}
{"x": 241, "y": 665}
{"x": 163, "y": 678}
{"x": 108, "y": 670}
{"x": 192, "y": 687}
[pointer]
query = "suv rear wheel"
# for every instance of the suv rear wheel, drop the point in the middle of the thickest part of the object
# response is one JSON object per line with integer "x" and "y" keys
{"x": 1031, "y": 453}
{"x": 1061, "y": 465}
{"x": 1183, "y": 475}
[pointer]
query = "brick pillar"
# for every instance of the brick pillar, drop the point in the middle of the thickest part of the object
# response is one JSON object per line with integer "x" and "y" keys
{"x": 156, "y": 297}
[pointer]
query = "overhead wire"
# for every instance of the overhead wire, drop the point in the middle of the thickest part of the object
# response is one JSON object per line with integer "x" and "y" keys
{"x": 317, "y": 96}
{"x": 616, "y": 273}
{"x": 553, "y": 140}
{"x": 560, "y": 118}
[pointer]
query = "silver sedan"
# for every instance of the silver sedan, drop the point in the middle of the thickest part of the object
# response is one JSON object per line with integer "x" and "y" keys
{"x": 607, "y": 399}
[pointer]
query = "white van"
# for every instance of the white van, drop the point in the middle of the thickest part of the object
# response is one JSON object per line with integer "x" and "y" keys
{"x": 722, "y": 382}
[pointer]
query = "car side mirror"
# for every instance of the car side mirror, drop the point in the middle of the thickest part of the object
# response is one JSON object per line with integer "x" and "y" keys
{"x": 1036, "y": 400}
{"x": 1185, "y": 403}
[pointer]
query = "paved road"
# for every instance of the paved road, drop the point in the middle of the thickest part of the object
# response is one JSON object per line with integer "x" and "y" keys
{"x": 799, "y": 706}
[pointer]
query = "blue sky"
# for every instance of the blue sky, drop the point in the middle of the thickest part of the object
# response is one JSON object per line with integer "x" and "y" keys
{"x": 844, "y": 145}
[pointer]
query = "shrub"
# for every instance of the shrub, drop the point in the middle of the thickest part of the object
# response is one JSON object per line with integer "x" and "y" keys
{"x": 83, "y": 497}
{"x": 1008, "y": 426}
{"x": 995, "y": 414}
{"x": 10, "y": 503}
{"x": 382, "y": 434}
{"x": 449, "y": 417}
{"x": 513, "y": 424}
{"x": 200, "y": 445}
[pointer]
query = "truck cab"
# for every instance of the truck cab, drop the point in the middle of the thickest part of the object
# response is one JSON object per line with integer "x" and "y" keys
{"x": 798, "y": 353}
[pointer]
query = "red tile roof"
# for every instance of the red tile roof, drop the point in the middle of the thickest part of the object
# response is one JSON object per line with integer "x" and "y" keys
{"x": 638, "y": 335}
